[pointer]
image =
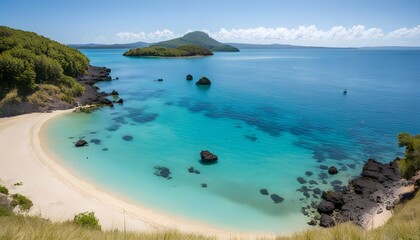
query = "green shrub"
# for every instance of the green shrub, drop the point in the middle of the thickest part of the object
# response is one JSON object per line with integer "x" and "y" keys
{"x": 4, "y": 190}
{"x": 411, "y": 162}
{"x": 24, "y": 202}
{"x": 5, "y": 211}
{"x": 87, "y": 220}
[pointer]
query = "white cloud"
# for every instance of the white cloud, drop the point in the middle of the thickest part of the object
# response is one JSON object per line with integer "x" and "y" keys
{"x": 307, "y": 35}
{"x": 152, "y": 36}
{"x": 161, "y": 34}
{"x": 131, "y": 36}
{"x": 405, "y": 32}
{"x": 300, "y": 33}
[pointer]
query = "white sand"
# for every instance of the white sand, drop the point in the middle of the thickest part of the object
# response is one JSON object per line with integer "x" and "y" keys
{"x": 58, "y": 195}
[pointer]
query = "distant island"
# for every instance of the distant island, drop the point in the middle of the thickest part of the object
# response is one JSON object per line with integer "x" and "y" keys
{"x": 182, "y": 51}
{"x": 190, "y": 45}
{"x": 198, "y": 38}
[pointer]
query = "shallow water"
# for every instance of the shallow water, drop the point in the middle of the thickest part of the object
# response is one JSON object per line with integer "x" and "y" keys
{"x": 269, "y": 115}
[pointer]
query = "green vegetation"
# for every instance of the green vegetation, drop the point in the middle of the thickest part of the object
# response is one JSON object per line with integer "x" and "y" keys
{"x": 87, "y": 220}
{"x": 22, "y": 201}
{"x": 411, "y": 163}
{"x": 5, "y": 211}
{"x": 4, "y": 190}
{"x": 183, "y": 51}
{"x": 28, "y": 62}
{"x": 201, "y": 39}
{"x": 405, "y": 224}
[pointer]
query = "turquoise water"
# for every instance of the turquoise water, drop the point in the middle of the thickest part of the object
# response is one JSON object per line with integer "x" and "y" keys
{"x": 270, "y": 116}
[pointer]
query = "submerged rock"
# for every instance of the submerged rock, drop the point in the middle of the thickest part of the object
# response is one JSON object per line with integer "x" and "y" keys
{"x": 264, "y": 191}
{"x": 207, "y": 157}
{"x": 301, "y": 180}
{"x": 204, "y": 185}
{"x": 80, "y": 143}
{"x": 95, "y": 141}
{"x": 127, "y": 138}
{"x": 276, "y": 198}
{"x": 163, "y": 172}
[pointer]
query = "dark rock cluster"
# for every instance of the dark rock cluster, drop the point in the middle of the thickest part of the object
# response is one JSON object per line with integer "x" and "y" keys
{"x": 376, "y": 190}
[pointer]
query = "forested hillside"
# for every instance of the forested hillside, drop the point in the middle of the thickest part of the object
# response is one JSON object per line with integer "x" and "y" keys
{"x": 30, "y": 63}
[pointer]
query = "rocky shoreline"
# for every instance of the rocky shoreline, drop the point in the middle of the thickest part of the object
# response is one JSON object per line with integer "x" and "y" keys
{"x": 91, "y": 96}
{"x": 370, "y": 196}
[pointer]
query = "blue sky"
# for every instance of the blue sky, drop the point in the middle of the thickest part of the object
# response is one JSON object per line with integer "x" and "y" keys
{"x": 304, "y": 22}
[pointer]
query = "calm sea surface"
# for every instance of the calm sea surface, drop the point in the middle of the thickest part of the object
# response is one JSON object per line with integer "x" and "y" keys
{"x": 269, "y": 115}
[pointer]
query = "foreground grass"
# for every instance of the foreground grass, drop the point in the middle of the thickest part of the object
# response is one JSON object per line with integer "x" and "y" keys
{"x": 405, "y": 224}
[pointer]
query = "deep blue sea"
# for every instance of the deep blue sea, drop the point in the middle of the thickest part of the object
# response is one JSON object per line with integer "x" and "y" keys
{"x": 271, "y": 116}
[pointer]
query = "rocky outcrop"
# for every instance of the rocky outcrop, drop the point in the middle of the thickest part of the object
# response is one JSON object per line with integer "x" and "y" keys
{"x": 326, "y": 221}
{"x": 80, "y": 143}
{"x": 203, "y": 81}
{"x": 207, "y": 157}
{"x": 377, "y": 190}
{"x": 4, "y": 201}
{"x": 326, "y": 207}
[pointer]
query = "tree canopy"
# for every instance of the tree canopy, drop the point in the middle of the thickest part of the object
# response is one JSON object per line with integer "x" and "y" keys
{"x": 182, "y": 51}
{"x": 411, "y": 163}
{"x": 28, "y": 60}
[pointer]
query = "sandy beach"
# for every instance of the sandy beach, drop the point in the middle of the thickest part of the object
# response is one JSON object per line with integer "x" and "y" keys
{"x": 58, "y": 194}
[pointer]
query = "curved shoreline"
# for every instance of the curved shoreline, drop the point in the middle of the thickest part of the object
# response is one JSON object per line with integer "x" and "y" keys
{"x": 59, "y": 195}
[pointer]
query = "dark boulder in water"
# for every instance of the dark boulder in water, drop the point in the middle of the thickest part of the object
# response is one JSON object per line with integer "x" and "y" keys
{"x": 332, "y": 170}
{"x": 264, "y": 191}
{"x": 120, "y": 101}
{"x": 207, "y": 157}
{"x": 114, "y": 93}
{"x": 204, "y": 185}
{"x": 276, "y": 198}
{"x": 189, "y": 77}
{"x": 80, "y": 143}
{"x": 190, "y": 169}
{"x": 203, "y": 81}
